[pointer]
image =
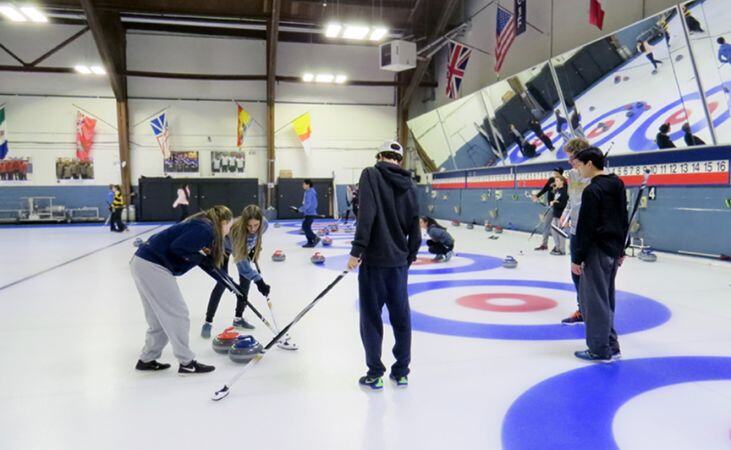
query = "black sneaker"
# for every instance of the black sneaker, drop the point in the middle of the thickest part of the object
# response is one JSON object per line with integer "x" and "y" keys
{"x": 374, "y": 383}
{"x": 240, "y": 322}
{"x": 152, "y": 365}
{"x": 308, "y": 245}
{"x": 400, "y": 381}
{"x": 317, "y": 241}
{"x": 195, "y": 367}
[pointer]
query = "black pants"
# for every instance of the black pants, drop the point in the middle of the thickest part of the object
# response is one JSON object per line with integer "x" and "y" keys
{"x": 115, "y": 223}
{"x": 575, "y": 278}
{"x": 307, "y": 226}
{"x": 546, "y": 141}
{"x": 378, "y": 286}
{"x": 217, "y": 292}
{"x": 182, "y": 212}
{"x": 652, "y": 59}
{"x": 437, "y": 248}
{"x": 596, "y": 300}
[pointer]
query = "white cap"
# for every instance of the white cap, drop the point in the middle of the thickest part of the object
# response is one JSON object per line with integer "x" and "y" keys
{"x": 393, "y": 147}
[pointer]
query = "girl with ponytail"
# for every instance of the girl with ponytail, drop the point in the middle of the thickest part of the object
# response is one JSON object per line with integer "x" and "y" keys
{"x": 197, "y": 241}
{"x": 244, "y": 243}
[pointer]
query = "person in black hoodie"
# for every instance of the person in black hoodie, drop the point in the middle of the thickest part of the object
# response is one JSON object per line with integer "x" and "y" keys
{"x": 599, "y": 251}
{"x": 547, "y": 218}
{"x": 387, "y": 239}
{"x": 662, "y": 139}
{"x": 690, "y": 138}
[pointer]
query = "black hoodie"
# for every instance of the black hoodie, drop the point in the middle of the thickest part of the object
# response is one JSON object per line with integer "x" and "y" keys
{"x": 602, "y": 219}
{"x": 388, "y": 232}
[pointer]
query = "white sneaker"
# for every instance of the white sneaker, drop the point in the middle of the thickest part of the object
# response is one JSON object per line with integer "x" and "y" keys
{"x": 448, "y": 256}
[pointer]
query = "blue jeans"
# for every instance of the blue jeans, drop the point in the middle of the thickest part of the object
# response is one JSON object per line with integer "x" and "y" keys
{"x": 575, "y": 278}
{"x": 378, "y": 286}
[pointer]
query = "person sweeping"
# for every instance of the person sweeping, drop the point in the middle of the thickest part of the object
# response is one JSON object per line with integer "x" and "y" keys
{"x": 244, "y": 243}
{"x": 197, "y": 241}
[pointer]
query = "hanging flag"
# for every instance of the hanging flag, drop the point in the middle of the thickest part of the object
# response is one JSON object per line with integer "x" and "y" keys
{"x": 84, "y": 136}
{"x": 521, "y": 7}
{"x": 302, "y": 127}
{"x": 160, "y": 130}
{"x": 596, "y": 14}
{"x": 3, "y": 137}
{"x": 243, "y": 121}
{"x": 459, "y": 55}
{"x": 505, "y": 35}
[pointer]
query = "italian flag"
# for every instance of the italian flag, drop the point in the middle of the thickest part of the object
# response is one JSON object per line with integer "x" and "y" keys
{"x": 3, "y": 135}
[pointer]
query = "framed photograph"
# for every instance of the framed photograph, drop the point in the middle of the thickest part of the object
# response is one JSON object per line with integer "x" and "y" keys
{"x": 74, "y": 169}
{"x": 182, "y": 162}
{"x": 228, "y": 163}
{"x": 16, "y": 170}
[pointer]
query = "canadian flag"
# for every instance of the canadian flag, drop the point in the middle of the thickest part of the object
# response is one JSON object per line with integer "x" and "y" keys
{"x": 596, "y": 14}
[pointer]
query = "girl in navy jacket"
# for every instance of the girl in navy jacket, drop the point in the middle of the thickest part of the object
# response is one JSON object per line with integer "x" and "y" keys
{"x": 440, "y": 242}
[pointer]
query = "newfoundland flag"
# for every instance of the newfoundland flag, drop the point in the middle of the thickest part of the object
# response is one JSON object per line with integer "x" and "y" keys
{"x": 3, "y": 138}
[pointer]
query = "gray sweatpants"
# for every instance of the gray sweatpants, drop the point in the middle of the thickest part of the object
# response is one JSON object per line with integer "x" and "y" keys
{"x": 165, "y": 311}
{"x": 596, "y": 300}
{"x": 547, "y": 219}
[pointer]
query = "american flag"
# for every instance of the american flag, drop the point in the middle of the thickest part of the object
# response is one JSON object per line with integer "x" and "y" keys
{"x": 160, "y": 129}
{"x": 504, "y": 37}
{"x": 459, "y": 55}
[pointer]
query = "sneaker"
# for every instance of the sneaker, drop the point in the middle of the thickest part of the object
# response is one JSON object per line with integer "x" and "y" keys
{"x": 573, "y": 319}
{"x": 586, "y": 355}
{"x": 240, "y": 322}
{"x": 308, "y": 245}
{"x": 556, "y": 252}
{"x": 317, "y": 241}
{"x": 616, "y": 355}
{"x": 195, "y": 367}
{"x": 374, "y": 383}
{"x": 400, "y": 381}
{"x": 437, "y": 258}
{"x": 206, "y": 330}
{"x": 152, "y": 365}
{"x": 542, "y": 247}
{"x": 448, "y": 256}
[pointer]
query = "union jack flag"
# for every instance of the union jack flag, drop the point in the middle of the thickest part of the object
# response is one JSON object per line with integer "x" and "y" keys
{"x": 160, "y": 129}
{"x": 504, "y": 37}
{"x": 459, "y": 55}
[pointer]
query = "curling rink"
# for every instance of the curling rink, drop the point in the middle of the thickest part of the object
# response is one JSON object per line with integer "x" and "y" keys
{"x": 491, "y": 365}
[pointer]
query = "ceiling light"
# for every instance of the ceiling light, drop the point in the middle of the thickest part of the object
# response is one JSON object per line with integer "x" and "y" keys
{"x": 333, "y": 30}
{"x": 82, "y": 69}
{"x": 34, "y": 14}
{"x": 98, "y": 70}
{"x": 12, "y": 13}
{"x": 324, "y": 78}
{"x": 355, "y": 32}
{"x": 308, "y": 77}
{"x": 378, "y": 33}
{"x": 340, "y": 79}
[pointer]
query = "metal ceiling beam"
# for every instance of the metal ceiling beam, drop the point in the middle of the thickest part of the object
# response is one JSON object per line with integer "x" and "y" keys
{"x": 272, "y": 41}
{"x": 63, "y": 44}
{"x": 423, "y": 65}
{"x": 110, "y": 41}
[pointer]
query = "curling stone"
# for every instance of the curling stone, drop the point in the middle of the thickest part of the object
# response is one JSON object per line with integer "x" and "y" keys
{"x": 323, "y": 232}
{"x": 592, "y": 108}
{"x": 625, "y": 78}
{"x": 679, "y": 57}
{"x": 278, "y": 256}
{"x": 647, "y": 255}
{"x": 327, "y": 241}
{"x": 317, "y": 258}
{"x": 498, "y": 230}
{"x": 510, "y": 263}
{"x": 244, "y": 349}
{"x": 137, "y": 242}
{"x": 617, "y": 79}
{"x": 455, "y": 223}
{"x": 630, "y": 113}
{"x": 223, "y": 341}
{"x": 639, "y": 104}
{"x": 489, "y": 227}
{"x": 334, "y": 228}
{"x": 277, "y": 224}
{"x": 470, "y": 226}
{"x": 348, "y": 230}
